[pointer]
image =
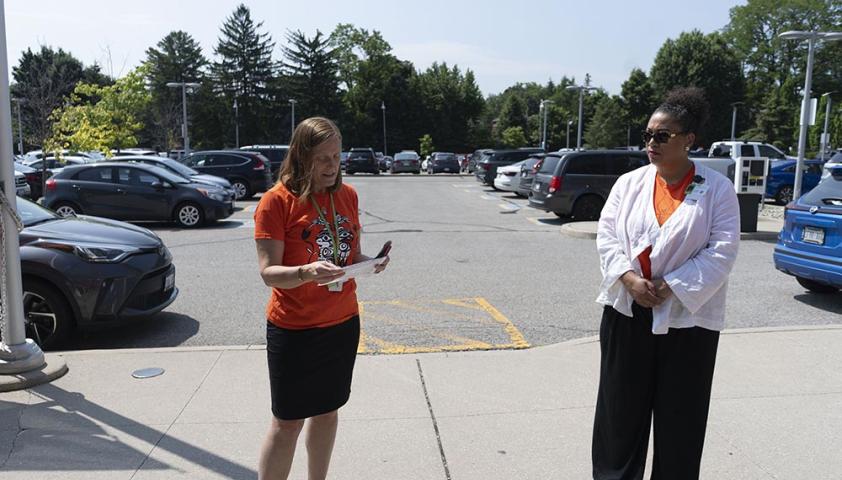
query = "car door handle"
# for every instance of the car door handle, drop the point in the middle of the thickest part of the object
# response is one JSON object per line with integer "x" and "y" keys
{"x": 76, "y": 187}
{"x": 120, "y": 190}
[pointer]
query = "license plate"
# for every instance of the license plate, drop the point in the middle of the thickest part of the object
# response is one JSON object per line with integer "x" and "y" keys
{"x": 169, "y": 281}
{"x": 446, "y": 169}
{"x": 536, "y": 187}
{"x": 813, "y": 235}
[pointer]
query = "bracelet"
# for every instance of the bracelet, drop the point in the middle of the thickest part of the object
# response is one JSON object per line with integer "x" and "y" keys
{"x": 300, "y": 273}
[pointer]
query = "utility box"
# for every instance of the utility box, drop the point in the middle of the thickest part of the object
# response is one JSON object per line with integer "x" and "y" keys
{"x": 750, "y": 176}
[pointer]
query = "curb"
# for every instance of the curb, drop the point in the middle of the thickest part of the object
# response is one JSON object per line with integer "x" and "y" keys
{"x": 54, "y": 367}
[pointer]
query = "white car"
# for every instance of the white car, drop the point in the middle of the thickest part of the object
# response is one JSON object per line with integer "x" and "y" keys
{"x": 508, "y": 177}
{"x": 833, "y": 162}
{"x": 22, "y": 188}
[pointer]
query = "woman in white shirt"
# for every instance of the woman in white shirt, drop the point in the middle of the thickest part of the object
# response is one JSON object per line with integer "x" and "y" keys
{"x": 667, "y": 240}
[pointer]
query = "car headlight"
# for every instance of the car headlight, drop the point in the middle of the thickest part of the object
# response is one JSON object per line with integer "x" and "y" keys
{"x": 96, "y": 253}
{"x": 217, "y": 195}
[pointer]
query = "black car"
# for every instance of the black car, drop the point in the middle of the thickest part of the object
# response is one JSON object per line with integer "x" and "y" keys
{"x": 248, "y": 172}
{"x": 443, "y": 162}
{"x": 475, "y": 158}
{"x": 34, "y": 178}
{"x": 362, "y": 160}
{"x": 528, "y": 171}
{"x": 85, "y": 271}
{"x": 578, "y": 183}
{"x": 486, "y": 167}
{"x": 133, "y": 191}
{"x": 180, "y": 169}
{"x": 275, "y": 153}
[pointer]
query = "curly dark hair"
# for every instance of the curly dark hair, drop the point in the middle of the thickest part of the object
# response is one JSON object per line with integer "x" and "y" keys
{"x": 688, "y": 107}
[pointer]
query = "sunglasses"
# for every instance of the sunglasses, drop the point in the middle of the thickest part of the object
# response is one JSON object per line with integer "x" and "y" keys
{"x": 661, "y": 136}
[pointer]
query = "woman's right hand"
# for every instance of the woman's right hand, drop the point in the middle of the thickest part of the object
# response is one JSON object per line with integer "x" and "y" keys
{"x": 642, "y": 290}
{"x": 321, "y": 272}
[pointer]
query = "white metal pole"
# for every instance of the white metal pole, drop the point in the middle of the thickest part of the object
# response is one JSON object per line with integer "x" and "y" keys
{"x": 734, "y": 124}
{"x": 544, "y": 142}
{"x": 20, "y": 354}
{"x": 568, "y": 134}
{"x": 806, "y": 107}
{"x": 383, "y": 107}
{"x": 824, "y": 132}
{"x": 292, "y": 122}
{"x": 581, "y": 104}
{"x": 236, "y": 123}
{"x": 20, "y": 131}
{"x": 184, "y": 133}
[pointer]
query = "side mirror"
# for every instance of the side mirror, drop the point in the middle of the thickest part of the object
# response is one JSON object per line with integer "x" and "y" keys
{"x": 157, "y": 185}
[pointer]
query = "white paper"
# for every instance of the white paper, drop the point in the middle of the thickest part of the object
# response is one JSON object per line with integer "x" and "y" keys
{"x": 361, "y": 269}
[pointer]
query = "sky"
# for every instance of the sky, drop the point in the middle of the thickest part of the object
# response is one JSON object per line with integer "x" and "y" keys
{"x": 502, "y": 42}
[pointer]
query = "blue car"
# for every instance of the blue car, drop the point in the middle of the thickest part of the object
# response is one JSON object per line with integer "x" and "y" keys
{"x": 810, "y": 244}
{"x": 782, "y": 179}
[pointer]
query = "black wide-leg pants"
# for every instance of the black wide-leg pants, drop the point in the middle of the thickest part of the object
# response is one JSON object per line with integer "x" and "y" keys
{"x": 644, "y": 375}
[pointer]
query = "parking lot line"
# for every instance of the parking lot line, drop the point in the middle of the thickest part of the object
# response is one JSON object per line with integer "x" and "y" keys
{"x": 488, "y": 197}
{"x": 514, "y": 333}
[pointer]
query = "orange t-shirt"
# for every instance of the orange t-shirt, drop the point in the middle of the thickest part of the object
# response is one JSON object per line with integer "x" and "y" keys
{"x": 666, "y": 201}
{"x": 283, "y": 216}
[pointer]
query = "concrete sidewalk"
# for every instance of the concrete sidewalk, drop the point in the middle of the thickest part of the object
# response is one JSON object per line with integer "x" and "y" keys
{"x": 768, "y": 228}
{"x": 776, "y": 413}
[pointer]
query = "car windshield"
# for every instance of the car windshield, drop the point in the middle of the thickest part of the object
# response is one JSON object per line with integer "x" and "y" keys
{"x": 32, "y": 213}
{"x": 168, "y": 176}
{"x": 360, "y": 155}
{"x": 179, "y": 168}
{"x": 448, "y": 157}
{"x": 827, "y": 194}
{"x": 405, "y": 156}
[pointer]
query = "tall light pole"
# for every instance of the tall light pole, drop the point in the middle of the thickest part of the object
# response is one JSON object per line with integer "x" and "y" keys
{"x": 734, "y": 120}
{"x": 582, "y": 89}
{"x": 184, "y": 133}
{"x": 17, "y": 353}
{"x": 20, "y": 126}
{"x": 544, "y": 130}
{"x": 236, "y": 123}
{"x": 824, "y": 140}
{"x": 292, "y": 102}
{"x": 383, "y": 108}
{"x": 569, "y": 123}
{"x": 806, "y": 105}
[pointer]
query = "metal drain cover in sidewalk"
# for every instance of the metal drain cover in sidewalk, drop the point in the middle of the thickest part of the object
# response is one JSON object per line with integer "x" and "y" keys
{"x": 148, "y": 372}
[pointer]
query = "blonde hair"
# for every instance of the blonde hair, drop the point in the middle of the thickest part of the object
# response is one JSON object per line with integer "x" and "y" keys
{"x": 297, "y": 171}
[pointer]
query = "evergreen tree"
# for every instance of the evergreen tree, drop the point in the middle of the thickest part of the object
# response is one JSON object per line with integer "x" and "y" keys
{"x": 608, "y": 127}
{"x": 311, "y": 72}
{"x": 638, "y": 102}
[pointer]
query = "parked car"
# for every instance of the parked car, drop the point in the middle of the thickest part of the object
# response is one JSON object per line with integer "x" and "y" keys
{"x": 22, "y": 188}
{"x": 33, "y": 179}
{"x": 81, "y": 272}
{"x": 810, "y": 244}
{"x": 742, "y": 148}
{"x": 275, "y": 153}
{"x": 343, "y": 160}
{"x": 134, "y": 191}
{"x": 175, "y": 154}
{"x": 528, "y": 170}
{"x": 475, "y": 158}
{"x": 578, "y": 183}
{"x": 833, "y": 162}
{"x": 180, "y": 169}
{"x": 491, "y": 159}
{"x": 55, "y": 165}
{"x": 248, "y": 172}
{"x": 383, "y": 161}
{"x": 442, "y": 162}
{"x": 126, "y": 152}
{"x": 782, "y": 179}
{"x": 406, "y": 161}
{"x": 362, "y": 160}
{"x": 508, "y": 177}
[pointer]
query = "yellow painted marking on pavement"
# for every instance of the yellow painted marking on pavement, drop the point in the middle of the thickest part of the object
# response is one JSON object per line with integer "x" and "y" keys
{"x": 463, "y": 304}
{"x": 517, "y": 338}
{"x": 361, "y": 347}
{"x": 469, "y": 343}
{"x": 534, "y": 220}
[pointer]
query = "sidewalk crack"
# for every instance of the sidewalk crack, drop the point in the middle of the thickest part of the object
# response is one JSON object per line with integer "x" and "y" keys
{"x": 19, "y": 432}
{"x": 435, "y": 423}
{"x": 167, "y": 431}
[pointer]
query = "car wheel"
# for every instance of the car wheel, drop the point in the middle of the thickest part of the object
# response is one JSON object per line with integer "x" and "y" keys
{"x": 417, "y": 173}
{"x": 189, "y": 215}
{"x": 349, "y": 173}
{"x": 377, "y": 172}
{"x": 66, "y": 209}
{"x": 48, "y": 319}
{"x": 241, "y": 190}
{"x": 815, "y": 286}
{"x": 784, "y": 195}
{"x": 587, "y": 208}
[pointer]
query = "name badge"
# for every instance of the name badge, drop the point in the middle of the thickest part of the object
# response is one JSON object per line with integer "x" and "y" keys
{"x": 334, "y": 287}
{"x": 698, "y": 192}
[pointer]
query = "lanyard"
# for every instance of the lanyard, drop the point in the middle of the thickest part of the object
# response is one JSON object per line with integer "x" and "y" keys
{"x": 334, "y": 238}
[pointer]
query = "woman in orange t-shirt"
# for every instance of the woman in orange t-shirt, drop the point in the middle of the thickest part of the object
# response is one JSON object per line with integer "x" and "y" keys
{"x": 307, "y": 228}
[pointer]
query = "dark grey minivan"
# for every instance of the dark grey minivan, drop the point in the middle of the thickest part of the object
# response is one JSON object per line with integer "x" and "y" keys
{"x": 576, "y": 184}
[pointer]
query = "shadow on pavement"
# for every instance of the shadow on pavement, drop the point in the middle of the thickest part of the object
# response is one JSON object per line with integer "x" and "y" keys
{"x": 70, "y": 436}
{"x": 829, "y": 302}
{"x": 164, "y": 329}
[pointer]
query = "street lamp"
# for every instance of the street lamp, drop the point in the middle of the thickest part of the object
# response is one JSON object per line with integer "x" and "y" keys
{"x": 734, "y": 120}
{"x": 544, "y": 129}
{"x": 383, "y": 108}
{"x": 582, "y": 89}
{"x": 184, "y": 134}
{"x": 824, "y": 140}
{"x": 569, "y": 123}
{"x": 236, "y": 123}
{"x": 806, "y": 105}
{"x": 292, "y": 102}
{"x": 18, "y": 101}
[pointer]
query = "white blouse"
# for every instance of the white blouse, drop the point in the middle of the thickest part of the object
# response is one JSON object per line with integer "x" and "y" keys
{"x": 693, "y": 251}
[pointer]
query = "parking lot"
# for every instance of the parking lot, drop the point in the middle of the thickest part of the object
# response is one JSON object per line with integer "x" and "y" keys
{"x": 471, "y": 269}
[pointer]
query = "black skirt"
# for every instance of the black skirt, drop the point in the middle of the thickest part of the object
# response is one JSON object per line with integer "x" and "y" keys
{"x": 310, "y": 370}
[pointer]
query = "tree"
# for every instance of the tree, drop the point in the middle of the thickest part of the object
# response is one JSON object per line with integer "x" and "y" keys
{"x": 513, "y": 137}
{"x": 312, "y": 75}
{"x": 512, "y": 114}
{"x": 426, "y": 145}
{"x": 608, "y": 127}
{"x": 449, "y": 102}
{"x": 177, "y": 58}
{"x": 638, "y": 102}
{"x": 774, "y": 120}
{"x": 704, "y": 61}
{"x": 244, "y": 71}
{"x": 101, "y": 118}
{"x": 43, "y": 80}
{"x": 353, "y": 46}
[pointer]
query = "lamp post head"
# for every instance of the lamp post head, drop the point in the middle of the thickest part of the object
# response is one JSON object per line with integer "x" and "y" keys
{"x": 827, "y": 94}
{"x": 383, "y": 105}
{"x": 830, "y": 36}
{"x": 797, "y": 35}
{"x": 573, "y": 87}
{"x": 292, "y": 101}
{"x": 735, "y": 104}
{"x": 174, "y": 84}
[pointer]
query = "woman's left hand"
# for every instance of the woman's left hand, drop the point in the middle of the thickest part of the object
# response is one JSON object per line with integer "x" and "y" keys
{"x": 662, "y": 289}
{"x": 382, "y": 265}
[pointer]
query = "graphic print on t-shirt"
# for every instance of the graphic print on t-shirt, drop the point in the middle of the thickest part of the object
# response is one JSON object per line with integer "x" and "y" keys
{"x": 323, "y": 244}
